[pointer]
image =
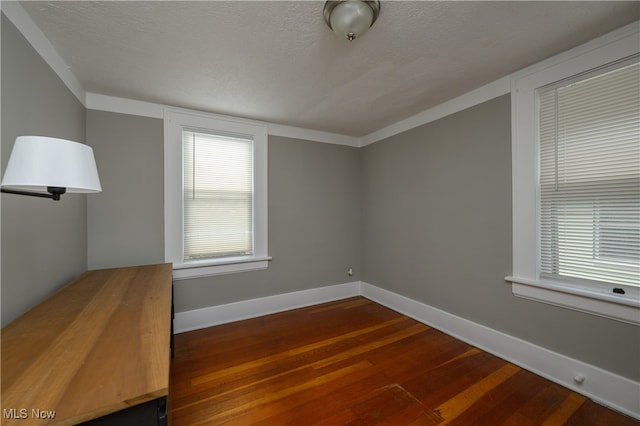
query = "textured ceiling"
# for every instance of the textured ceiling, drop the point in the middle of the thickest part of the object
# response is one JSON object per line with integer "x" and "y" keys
{"x": 279, "y": 62}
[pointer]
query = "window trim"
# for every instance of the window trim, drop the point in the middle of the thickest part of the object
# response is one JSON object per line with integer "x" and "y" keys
{"x": 525, "y": 275}
{"x": 174, "y": 122}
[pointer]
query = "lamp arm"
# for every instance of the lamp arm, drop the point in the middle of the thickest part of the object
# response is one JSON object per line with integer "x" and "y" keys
{"x": 54, "y": 192}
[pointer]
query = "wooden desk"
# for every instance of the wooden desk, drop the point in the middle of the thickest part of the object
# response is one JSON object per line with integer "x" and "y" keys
{"x": 99, "y": 345}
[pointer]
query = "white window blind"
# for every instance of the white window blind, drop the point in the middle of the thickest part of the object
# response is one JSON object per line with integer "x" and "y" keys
{"x": 218, "y": 195}
{"x": 589, "y": 217}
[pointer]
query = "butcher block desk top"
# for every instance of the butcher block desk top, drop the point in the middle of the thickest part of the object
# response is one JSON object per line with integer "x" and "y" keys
{"x": 98, "y": 345}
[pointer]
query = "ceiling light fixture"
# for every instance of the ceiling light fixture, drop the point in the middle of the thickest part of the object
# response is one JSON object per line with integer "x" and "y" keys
{"x": 351, "y": 18}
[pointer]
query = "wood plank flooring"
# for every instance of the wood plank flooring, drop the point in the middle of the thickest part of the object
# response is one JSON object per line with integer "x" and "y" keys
{"x": 354, "y": 362}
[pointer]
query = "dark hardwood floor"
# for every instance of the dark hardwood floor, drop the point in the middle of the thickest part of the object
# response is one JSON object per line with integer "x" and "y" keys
{"x": 354, "y": 362}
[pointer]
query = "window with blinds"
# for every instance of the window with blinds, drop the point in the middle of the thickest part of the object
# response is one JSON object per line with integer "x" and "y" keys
{"x": 218, "y": 195}
{"x": 589, "y": 171}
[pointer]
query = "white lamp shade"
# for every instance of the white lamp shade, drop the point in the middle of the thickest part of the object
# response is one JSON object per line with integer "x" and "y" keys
{"x": 37, "y": 162}
{"x": 351, "y": 17}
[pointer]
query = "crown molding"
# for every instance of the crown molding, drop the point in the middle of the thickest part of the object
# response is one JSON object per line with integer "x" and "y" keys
{"x": 313, "y": 135}
{"x": 19, "y": 17}
{"x": 124, "y": 106}
{"x": 482, "y": 94}
{"x": 107, "y": 103}
{"x": 496, "y": 88}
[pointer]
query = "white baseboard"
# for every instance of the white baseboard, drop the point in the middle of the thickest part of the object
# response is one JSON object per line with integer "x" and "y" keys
{"x": 222, "y": 314}
{"x": 604, "y": 387}
{"x": 617, "y": 392}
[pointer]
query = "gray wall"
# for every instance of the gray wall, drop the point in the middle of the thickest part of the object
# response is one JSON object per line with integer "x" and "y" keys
{"x": 126, "y": 225}
{"x": 436, "y": 227}
{"x": 44, "y": 242}
{"x": 314, "y": 208}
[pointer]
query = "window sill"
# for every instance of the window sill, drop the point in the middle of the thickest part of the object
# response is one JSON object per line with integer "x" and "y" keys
{"x": 229, "y": 265}
{"x": 619, "y": 308}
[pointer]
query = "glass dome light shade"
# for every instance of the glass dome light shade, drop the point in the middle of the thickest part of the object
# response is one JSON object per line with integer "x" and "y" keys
{"x": 350, "y": 18}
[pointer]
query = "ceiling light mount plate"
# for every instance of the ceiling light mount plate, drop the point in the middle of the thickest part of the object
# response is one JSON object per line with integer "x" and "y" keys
{"x": 351, "y": 18}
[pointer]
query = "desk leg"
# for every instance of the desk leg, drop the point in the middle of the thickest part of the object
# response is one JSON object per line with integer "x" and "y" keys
{"x": 151, "y": 413}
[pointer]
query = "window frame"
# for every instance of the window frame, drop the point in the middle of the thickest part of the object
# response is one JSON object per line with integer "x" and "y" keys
{"x": 175, "y": 120}
{"x": 525, "y": 279}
